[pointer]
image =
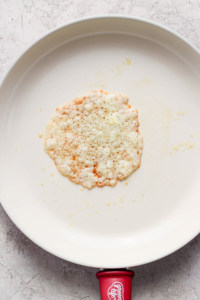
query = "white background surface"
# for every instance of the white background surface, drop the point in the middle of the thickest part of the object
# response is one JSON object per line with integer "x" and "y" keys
{"x": 27, "y": 272}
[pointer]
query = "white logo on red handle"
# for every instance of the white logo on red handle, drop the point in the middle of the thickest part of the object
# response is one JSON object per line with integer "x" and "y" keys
{"x": 116, "y": 291}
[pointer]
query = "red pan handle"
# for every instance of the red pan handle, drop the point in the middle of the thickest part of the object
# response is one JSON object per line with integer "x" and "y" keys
{"x": 115, "y": 285}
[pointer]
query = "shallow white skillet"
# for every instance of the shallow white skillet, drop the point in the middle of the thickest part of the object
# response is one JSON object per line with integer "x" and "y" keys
{"x": 158, "y": 211}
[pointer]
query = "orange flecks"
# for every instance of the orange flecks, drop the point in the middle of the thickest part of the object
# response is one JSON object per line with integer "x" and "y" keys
{"x": 78, "y": 101}
{"x": 95, "y": 172}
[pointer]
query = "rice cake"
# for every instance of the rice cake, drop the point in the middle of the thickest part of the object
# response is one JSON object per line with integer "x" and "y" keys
{"x": 94, "y": 140}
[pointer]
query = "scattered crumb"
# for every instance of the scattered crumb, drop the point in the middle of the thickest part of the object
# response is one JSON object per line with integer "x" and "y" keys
{"x": 51, "y": 174}
{"x": 176, "y": 119}
{"x": 42, "y": 184}
{"x": 133, "y": 200}
{"x": 126, "y": 183}
{"x": 127, "y": 62}
{"x": 97, "y": 212}
{"x": 81, "y": 189}
{"x": 180, "y": 113}
{"x": 40, "y": 134}
{"x": 108, "y": 203}
{"x": 56, "y": 200}
{"x": 115, "y": 219}
{"x": 175, "y": 148}
{"x": 121, "y": 200}
{"x": 63, "y": 190}
{"x": 43, "y": 169}
{"x": 70, "y": 224}
{"x": 70, "y": 216}
{"x": 190, "y": 145}
{"x": 41, "y": 109}
{"x": 182, "y": 146}
{"x": 142, "y": 195}
{"x": 114, "y": 202}
{"x": 53, "y": 181}
{"x": 191, "y": 135}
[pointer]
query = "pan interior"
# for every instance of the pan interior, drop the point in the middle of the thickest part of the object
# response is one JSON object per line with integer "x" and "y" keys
{"x": 148, "y": 215}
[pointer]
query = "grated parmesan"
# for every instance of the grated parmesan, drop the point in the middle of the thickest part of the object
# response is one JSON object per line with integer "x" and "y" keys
{"x": 94, "y": 140}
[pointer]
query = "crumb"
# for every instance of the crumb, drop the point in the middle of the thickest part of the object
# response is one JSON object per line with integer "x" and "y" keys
{"x": 81, "y": 189}
{"x": 63, "y": 190}
{"x": 175, "y": 148}
{"x": 126, "y": 183}
{"x": 115, "y": 219}
{"x": 108, "y": 203}
{"x": 142, "y": 195}
{"x": 121, "y": 200}
{"x": 70, "y": 216}
{"x": 190, "y": 145}
{"x": 41, "y": 109}
{"x": 42, "y": 184}
{"x": 97, "y": 212}
{"x": 180, "y": 113}
{"x": 114, "y": 202}
{"x": 191, "y": 135}
{"x": 51, "y": 174}
{"x": 56, "y": 200}
{"x": 43, "y": 169}
{"x": 40, "y": 134}
{"x": 127, "y": 62}
{"x": 133, "y": 200}
{"x": 170, "y": 152}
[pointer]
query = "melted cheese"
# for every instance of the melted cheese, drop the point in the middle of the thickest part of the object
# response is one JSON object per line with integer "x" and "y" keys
{"x": 94, "y": 140}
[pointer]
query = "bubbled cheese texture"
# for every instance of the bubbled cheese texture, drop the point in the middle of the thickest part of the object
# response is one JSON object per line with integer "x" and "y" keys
{"x": 94, "y": 140}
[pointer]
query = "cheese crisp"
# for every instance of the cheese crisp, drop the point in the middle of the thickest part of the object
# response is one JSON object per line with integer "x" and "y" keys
{"x": 94, "y": 140}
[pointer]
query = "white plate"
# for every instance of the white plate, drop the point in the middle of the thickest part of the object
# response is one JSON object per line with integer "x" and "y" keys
{"x": 158, "y": 211}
